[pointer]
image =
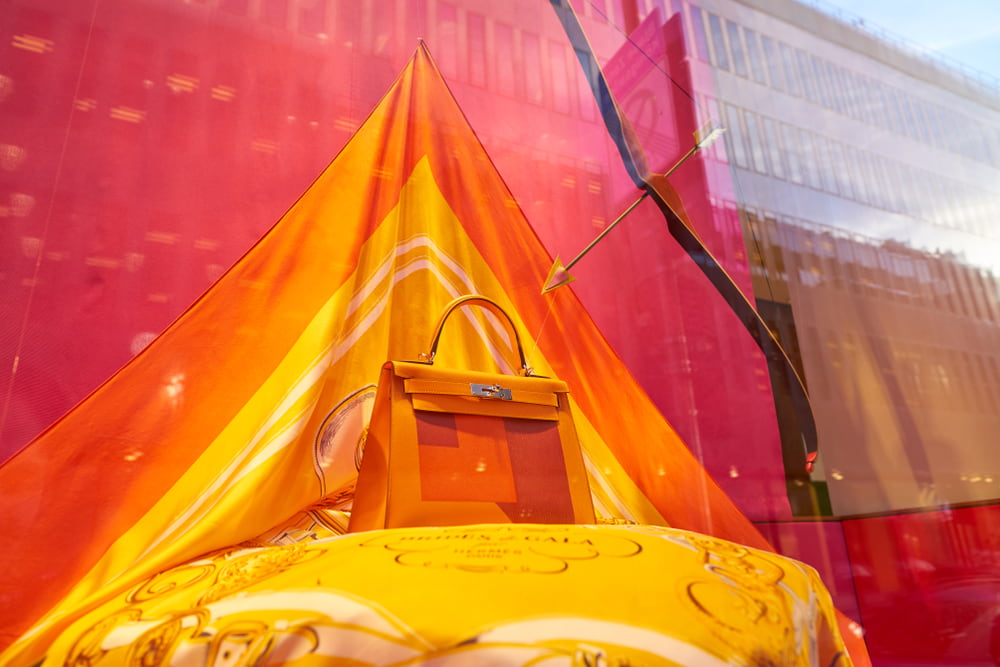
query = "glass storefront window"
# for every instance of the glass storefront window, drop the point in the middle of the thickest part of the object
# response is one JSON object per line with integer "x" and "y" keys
{"x": 146, "y": 145}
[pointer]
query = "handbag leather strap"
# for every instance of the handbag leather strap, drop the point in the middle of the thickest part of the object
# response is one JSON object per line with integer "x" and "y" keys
{"x": 490, "y": 305}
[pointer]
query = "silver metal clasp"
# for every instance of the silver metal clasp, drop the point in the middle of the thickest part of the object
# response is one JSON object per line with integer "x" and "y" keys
{"x": 490, "y": 391}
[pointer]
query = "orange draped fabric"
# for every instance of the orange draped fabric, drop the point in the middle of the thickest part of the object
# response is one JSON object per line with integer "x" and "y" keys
{"x": 214, "y": 433}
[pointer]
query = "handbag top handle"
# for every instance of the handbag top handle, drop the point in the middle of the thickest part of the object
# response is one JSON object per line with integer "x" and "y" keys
{"x": 490, "y": 305}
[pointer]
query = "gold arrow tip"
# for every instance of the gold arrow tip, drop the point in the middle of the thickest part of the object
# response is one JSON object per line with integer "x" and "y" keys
{"x": 558, "y": 276}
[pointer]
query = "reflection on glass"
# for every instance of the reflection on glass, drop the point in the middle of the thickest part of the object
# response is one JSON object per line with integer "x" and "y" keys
{"x": 721, "y": 58}
{"x": 825, "y": 164}
{"x": 773, "y": 144}
{"x": 755, "y": 139}
{"x": 275, "y": 12}
{"x": 700, "y": 36}
{"x": 806, "y": 75}
{"x": 818, "y": 73}
{"x": 790, "y": 149}
{"x": 869, "y": 206}
{"x": 560, "y": 77}
{"x": 532, "y": 74}
{"x": 736, "y": 47}
{"x": 773, "y": 63}
{"x": 312, "y": 18}
{"x": 789, "y": 68}
{"x": 849, "y": 291}
{"x": 736, "y": 137}
{"x": 446, "y": 54}
{"x": 234, "y": 6}
{"x": 476, "y": 37}
{"x": 503, "y": 58}
{"x": 810, "y": 165}
{"x": 756, "y": 60}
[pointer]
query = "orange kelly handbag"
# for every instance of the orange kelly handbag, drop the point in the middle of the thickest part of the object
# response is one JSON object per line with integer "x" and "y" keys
{"x": 456, "y": 447}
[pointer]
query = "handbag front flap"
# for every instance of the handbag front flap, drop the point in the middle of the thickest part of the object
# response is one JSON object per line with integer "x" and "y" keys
{"x": 478, "y": 393}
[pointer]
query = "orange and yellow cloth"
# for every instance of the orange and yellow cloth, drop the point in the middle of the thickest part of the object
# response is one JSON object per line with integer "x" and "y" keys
{"x": 473, "y": 595}
{"x": 247, "y": 411}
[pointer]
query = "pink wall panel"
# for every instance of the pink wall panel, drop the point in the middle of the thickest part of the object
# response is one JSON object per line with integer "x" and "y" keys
{"x": 160, "y": 138}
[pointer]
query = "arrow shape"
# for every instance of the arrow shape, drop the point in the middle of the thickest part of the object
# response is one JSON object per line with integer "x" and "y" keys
{"x": 657, "y": 187}
{"x": 559, "y": 275}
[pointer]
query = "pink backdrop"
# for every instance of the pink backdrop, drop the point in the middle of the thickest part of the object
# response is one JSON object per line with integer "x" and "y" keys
{"x": 158, "y": 139}
{"x": 144, "y": 145}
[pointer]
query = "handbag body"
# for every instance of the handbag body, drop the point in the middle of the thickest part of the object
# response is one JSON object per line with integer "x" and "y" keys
{"x": 456, "y": 447}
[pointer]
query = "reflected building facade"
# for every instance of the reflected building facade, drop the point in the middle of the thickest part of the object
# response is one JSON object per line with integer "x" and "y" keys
{"x": 869, "y": 186}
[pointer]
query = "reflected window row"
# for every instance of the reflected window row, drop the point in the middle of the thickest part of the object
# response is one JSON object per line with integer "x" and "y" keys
{"x": 878, "y": 275}
{"x": 770, "y": 62}
{"x": 508, "y": 60}
{"x": 490, "y": 44}
{"x": 469, "y": 47}
{"x": 939, "y": 283}
{"x": 309, "y": 16}
{"x": 768, "y": 146}
{"x": 936, "y": 377}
